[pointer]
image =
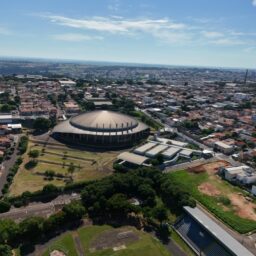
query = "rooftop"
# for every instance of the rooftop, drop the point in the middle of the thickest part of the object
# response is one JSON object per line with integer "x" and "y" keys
{"x": 219, "y": 233}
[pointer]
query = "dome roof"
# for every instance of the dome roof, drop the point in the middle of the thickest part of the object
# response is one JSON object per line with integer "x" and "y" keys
{"x": 103, "y": 120}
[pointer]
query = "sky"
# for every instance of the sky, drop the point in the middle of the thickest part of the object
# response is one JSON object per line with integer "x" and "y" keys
{"x": 216, "y": 33}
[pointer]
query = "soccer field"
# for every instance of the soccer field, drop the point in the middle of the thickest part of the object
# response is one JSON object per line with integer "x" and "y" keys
{"x": 108, "y": 241}
{"x": 225, "y": 201}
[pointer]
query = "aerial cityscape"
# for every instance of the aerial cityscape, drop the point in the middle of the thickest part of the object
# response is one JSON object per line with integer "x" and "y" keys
{"x": 128, "y": 128}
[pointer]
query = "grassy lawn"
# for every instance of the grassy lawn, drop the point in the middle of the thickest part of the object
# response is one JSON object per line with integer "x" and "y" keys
{"x": 146, "y": 245}
{"x": 191, "y": 181}
{"x": 178, "y": 240}
{"x": 92, "y": 165}
{"x": 65, "y": 244}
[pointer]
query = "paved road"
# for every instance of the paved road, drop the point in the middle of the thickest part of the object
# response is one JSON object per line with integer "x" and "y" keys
{"x": 6, "y": 165}
{"x": 39, "y": 209}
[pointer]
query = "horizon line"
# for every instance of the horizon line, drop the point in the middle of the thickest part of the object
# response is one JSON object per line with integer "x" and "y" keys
{"x": 116, "y": 63}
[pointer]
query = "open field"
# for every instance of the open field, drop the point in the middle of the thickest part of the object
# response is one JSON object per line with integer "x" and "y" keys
{"x": 107, "y": 241}
{"x": 64, "y": 244}
{"x": 88, "y": 165}
{"x": 225, "y": 201}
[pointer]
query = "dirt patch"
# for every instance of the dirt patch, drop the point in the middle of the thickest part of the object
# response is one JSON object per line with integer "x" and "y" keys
{"x": 210, "y": 168}
{"x": 113, "y": 238}
{"x": 243, "y": 208}
{"x": 208, "y": 189}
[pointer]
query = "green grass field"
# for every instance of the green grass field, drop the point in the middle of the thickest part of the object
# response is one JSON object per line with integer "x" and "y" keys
{"x": 146, "y": 245}
{"x": 65, "y": 244}
{"x": 227, "y": 213}
{"x": 89, "y": 165}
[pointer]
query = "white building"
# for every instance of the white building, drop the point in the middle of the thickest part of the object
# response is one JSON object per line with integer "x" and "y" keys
{"x": 156, "y": 150}
{"x": 223, "y": 147}
{"x": 67, "y": 83}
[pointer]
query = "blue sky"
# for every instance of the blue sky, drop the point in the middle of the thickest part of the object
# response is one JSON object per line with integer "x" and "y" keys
{"x": 179, "y": 32}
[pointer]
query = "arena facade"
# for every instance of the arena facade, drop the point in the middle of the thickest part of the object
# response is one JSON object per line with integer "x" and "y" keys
{"x": 101, "y": 128}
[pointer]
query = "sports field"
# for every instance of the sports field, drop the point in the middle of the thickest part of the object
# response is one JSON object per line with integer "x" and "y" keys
{"x": 227, "y": 202}
{"x": 88, "y": 165}
{"x": 107, "y": 241}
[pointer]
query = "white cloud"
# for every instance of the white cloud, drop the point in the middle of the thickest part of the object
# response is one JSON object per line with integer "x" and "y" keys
{"x": 70, "y": 37}
{"x": 164, "y": 29}
{"x": 117, "y": 24}
{"x": 254, "y": 2}
{"x": 212, "y": 34}
{"x": 228, "y": 42}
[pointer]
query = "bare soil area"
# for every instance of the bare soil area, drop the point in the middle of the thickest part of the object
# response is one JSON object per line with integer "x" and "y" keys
{"x": 210, "y": 168}
{"x": 209, "y": 189}
{"x": 113, "y": 238}
{"x": 243, "y": 208}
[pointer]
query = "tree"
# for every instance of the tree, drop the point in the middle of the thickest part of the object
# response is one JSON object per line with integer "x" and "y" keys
{"x": 160, "y": 213}
{"x": 5, "y": 250}
{"x": 71, "y": 169}
{"x": 23, "y": 144}
{"x": 31, "y": 229}
{"x": 118, "y": 206}
{"x": 50, "y": 189}
{"x": 49, "y": 174}
{"x": 42, "y": 124}
{"x": 33, "y": 153}
{"x": 4, "y": 206}
{"x": 9, "y": 231}
{"x": 73, "y": 211}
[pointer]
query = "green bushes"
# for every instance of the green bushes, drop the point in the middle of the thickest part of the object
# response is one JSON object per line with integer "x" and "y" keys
{"x": 12, "y": 171}
{"x": 4, "y": 206}
{"x": 34, "y": 153}
{"x": 31, "y": 164}
{"x": 35, "y": 229}
{"x": 23, "y": 144}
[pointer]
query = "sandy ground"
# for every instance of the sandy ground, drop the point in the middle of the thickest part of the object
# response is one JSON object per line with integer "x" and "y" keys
{"x": 244, "y": 208}
{"x": 241, "y": 206}
{"x": 210, "y": 168}
{"x": 209, "y": 189}
{"x": 113, "y": 238}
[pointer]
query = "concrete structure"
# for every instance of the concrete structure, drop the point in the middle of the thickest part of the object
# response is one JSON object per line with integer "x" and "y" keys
{"x": 172, "y": 142}
{"x": 186, "y": 153}
{"x": 156, "y": 150}
{"x": 226, "y": 244}
{"x": 231, "y": 173}
{"x": 170, "y": 152}
{"x": 144, "y": 148}
{"x": 253, "y": 190}
{"x": 67, "y": 83}
{"x": 132, "y": 158}
{"x": 5, "y": 119}
{"x": 223, "y": 147}
{"x": 101, "y": 128}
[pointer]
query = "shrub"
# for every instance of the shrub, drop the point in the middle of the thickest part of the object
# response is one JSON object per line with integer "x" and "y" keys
{"x": 34, "y": 153}
{"x": 31, "y": 164}
{"x": 23, "y": 144}
{"x": 4, "y": 206}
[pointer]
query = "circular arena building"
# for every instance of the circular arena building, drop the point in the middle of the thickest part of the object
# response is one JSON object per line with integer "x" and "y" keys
{"x": 101, "y": 128}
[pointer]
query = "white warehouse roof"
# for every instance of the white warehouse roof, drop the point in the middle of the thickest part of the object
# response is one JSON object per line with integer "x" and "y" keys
{"x": 132, "y": 158}
{"x": 218, "y": 232}
{"x": 142, "y": 149}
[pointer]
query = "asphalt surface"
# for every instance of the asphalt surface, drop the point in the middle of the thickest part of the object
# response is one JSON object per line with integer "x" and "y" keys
{"x": 39, "y": 209}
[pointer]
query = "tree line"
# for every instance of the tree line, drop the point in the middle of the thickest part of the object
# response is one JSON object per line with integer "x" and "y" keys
{"x": 108, "y": 200}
